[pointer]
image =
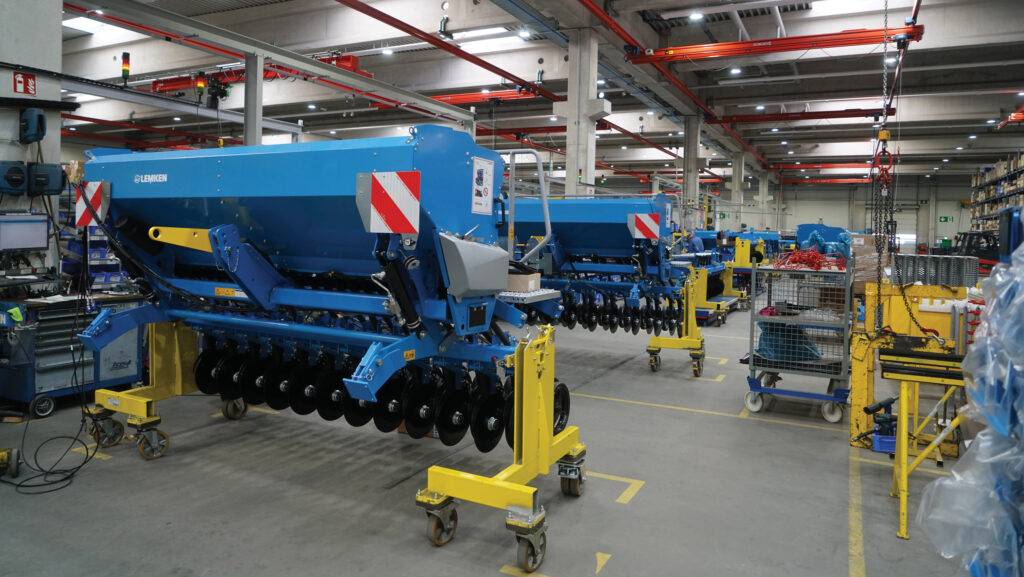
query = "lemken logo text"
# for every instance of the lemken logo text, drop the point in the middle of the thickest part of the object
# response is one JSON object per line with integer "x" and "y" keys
{"x": 147, "y": 178}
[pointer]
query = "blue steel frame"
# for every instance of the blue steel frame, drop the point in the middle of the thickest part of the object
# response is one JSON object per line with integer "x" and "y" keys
{"x": 258, "y": 306}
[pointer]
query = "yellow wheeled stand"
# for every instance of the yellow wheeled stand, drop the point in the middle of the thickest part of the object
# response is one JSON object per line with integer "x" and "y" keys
{"x": 690, "y": 337}
{"x": 536, "y": 449}
{"x": 720, "y": 308}
{"x": 172, "y": 353}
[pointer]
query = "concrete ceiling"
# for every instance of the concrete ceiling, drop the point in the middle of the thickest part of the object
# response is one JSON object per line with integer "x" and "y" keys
{"x": 965, "y": 73}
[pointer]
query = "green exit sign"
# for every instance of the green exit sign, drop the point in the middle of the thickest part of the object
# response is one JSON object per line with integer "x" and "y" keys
{"x": 945, "y": 219}
{"x": 723, "y": 215}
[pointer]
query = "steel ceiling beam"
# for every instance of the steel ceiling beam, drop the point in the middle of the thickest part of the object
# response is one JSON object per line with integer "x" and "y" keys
{"x": 809, "y": 115}
{"x": 157, "y": 22}
{"x": 820, "y": 166}
{"x": 773, "y": 45}
{"x": 146, "y": 128}
{"x": 167, "y": 103}
{"x": 826, "y": 181}
{"x": 716, "y": 9}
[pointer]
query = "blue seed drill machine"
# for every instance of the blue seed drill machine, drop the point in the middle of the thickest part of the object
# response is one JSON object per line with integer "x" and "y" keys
{"x": 360, "y": 279}
{"x": 613, "y": 261}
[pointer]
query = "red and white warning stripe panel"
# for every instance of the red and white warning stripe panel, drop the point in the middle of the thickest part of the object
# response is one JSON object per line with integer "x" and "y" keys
{"x": 389, "y": 202}
{"x": 97, "y": 194}
{"x": 644, "y": 225}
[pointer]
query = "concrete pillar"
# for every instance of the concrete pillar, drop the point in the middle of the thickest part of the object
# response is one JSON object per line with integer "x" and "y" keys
{"x": 933, "y": 212}
{"x": 739, "y": 177}
{"x": 581, "y": 111}
{"x": 253, "y": 99}
{"x": 762, "y": 202}
{"x": 691, "y": 169}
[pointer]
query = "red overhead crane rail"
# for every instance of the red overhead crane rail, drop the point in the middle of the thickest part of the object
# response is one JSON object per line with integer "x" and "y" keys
{"x": 135, "y": 144}
{"x": 1015, "y": 117}
{"x": 235, "y": 75}
{"x": 810, "y": 115}
{"x": 826, "y": 181}
{"x": 773, "y": 45}
{"x": 820, "y": 166}
{"x": 472, "y": 97}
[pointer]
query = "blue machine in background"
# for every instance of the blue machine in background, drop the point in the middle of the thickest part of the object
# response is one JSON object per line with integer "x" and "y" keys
{"x": 616, "y": 266}
{"x": 358, "y": 279}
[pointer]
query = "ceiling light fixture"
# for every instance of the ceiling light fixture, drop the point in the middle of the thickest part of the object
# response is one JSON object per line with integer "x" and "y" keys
{"x": 524, "y": 33}
{"x": 972, "y": 137}
{"x": 927, "y": 176}
{"x": 311, "y": 106}
{"x": 735, "y": 71}
{"x": 624, "y": 147}
{"x": 784, "y": 143}
{"x": 890, "y": 60}
{"x": 775, "y": 130}
{"x": 553, "y": 118}
{"x": 990, "y": 121}
{"x": 334, "y": 132}
{"x": 945, "y": 160}
{"x": 600, "y": 81}
{"x": 485, "y": 91}
{"x": 600, "y": 94}
{"x": 650, "y": 113}
{"x": 387, "y": 52}
{"x": 696, "y": 16}
{"x": 959, "y": 148}
{"x": 790, "y": 152}
{"x": 177, "y": 119}
{"x": 759, "y": 107}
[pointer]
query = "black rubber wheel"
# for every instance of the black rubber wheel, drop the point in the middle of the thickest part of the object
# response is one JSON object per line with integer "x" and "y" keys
{"x": 330, "y": 394}
{"x": 302, "y": 389}
{"x": 202, "y": 370}
{"x": 573, "y": 487}
{"x": 247, "y": 375}
{"x": 357, "y": 413}
{"x": 225, "y": 374}
{"x": 437, "y": 533}
{"x": 274, "y": 382}
{"x": 108, "y": 438}
{"x": 531, "y": 558}
{"x": 42, "y": 406}
{"x": 453, "y": 416}
{"x": 561, "y": 407}
{"x": 488, "y": 421}
{"x": 420, "y": 409}
{"x": 390, "y": 405}
{"x": 149, "y": 451}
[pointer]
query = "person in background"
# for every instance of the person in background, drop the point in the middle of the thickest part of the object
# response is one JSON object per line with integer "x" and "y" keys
{"x": 693, "y": 244}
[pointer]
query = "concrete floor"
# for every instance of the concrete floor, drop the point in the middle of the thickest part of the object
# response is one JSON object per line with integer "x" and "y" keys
{"x": 724, "y": 493}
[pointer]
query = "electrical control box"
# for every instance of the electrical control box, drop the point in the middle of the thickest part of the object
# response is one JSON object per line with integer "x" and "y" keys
{"x": 32, "y": 126}
{"x": 45, "y": 179}
{"x": 13, "y": 177}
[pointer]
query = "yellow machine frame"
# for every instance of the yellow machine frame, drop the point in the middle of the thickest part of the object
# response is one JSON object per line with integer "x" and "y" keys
{"x": 700, "y": 280}
{"x": 536, "y": 449}
{"x": 911, "y": 357}
{"x": 173, "y": 348}
{"x": 741, "y": 256}
{"x": 691, "y": 338}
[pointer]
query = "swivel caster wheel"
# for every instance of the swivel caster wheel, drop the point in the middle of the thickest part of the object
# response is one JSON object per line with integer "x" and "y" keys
{"x": 153, "y": 444}
{"x": 440, "y": 534}
{"x": 832, "y": 411}
{"x": 234, "y": 409}
{"x": 698, "y": 367}
{"x": 655, "y": 363}
{"x": 573, "y": 487}
{"x": 754, "y": 402}
{"x": 531, "y": 556}
{"x": 106, "y": 432}
{"x": 42, "y": 406}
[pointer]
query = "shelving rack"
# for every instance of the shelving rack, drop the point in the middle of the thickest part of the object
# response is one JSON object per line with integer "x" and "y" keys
{"x": 999, "y": 187}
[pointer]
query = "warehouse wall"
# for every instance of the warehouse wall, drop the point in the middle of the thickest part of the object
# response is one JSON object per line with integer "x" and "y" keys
{"x": 848, "y": 206}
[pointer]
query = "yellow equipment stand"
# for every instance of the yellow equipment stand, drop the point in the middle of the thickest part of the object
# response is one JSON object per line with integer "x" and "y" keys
{"x": 907, "y": 355}
{"x": 536, "y": 449}
{"x": 743, "y": 253}
{"x": 700, "y": 280}
{"x": 172, "y": 352}
{"x": 690, "y": 337}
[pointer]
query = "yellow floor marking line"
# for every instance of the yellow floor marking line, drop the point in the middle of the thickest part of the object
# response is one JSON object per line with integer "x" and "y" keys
{"x": 744, "y": 413}
{"x": 717, "y": 379}
{"x": 707, "y": 412}
{"x": 721, "y": 360}
{"x": 87, "y": 450}
{"x": 602, "y": 558}
{"x": 630, "y": 492}
{"x": 510, "y": 570}
{"x": 856, "y": 520}
{"x": 889, "y": 464}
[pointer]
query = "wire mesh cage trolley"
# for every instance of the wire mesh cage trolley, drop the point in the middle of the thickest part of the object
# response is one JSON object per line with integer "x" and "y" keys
{"x": 800, "y": 325}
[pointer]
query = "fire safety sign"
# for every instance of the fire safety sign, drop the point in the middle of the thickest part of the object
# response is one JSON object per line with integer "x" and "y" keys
{"x": 24, "y": 83}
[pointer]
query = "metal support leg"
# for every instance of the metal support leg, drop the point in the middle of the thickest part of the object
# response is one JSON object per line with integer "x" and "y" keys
{"x": 900, "y": 468}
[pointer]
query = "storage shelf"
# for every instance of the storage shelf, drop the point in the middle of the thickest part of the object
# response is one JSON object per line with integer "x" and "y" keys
{"x": 1000, "y": 197}
{"x": 1010, "y": 174}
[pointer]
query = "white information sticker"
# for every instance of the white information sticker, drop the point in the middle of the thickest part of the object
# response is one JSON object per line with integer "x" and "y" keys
{"x": 483, "y": 181}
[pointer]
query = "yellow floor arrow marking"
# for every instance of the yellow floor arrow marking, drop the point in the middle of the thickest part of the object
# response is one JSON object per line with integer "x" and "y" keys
{"x": 717, "y": 379}
{"x": 631, "y": 490}
{"x": 510, "y": 570}
{"x": 602, "y": 558}
{"x": 744, "y": 413}
{"x": 87, "y": 450}
{"x": 721, "y": 360}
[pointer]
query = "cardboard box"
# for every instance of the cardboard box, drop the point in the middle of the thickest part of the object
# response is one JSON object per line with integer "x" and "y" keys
{"x": 523, "y": 283}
